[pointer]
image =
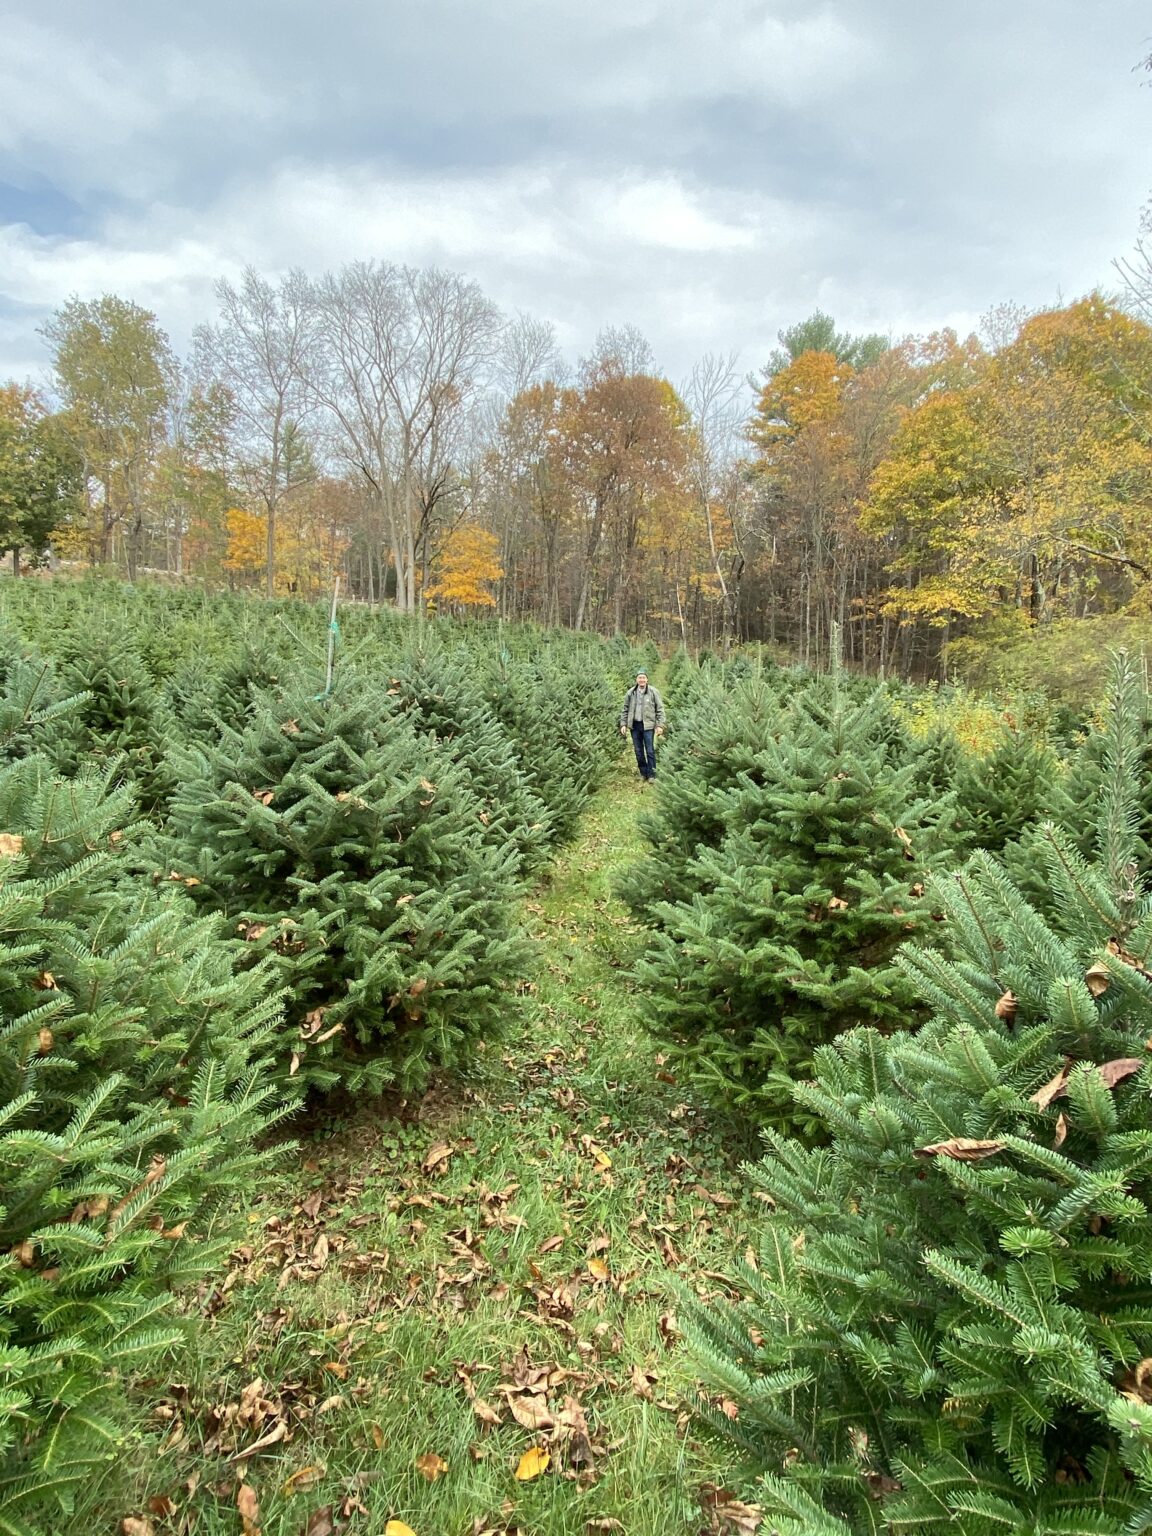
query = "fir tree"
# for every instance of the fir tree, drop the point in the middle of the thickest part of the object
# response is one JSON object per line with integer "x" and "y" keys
{"x": 948, "y": 1324}
{"x": 349, "y": 848}
{"x": 1003, "y": 793}
{"x": 436, "y": 691}
{"x": 795, "y": 913}
{"x": 133, "y": 1082}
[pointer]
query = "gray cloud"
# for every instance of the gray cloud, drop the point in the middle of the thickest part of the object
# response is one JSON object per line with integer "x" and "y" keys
{"x": 707, "y": 172}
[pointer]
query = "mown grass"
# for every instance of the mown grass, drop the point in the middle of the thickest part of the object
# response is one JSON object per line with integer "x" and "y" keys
{"x": 512, "y": 1239}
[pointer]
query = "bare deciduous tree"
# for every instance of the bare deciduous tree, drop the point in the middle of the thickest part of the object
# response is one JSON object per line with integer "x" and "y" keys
{"x": 258, "y": 350}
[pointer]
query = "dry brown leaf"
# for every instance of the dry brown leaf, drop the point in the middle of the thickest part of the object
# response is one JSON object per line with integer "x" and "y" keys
{"x": 135, "y": 1525}
{"x": 607, "y": 1524}
{"x": 161, "y": 1506}
{"x": 249, "y": 1506}
{"x": 1006, "y": 1007}
{"x": 1136, "y": 1384}
{"x": 431, "y": 1466}
{"x": 436, "y": 1158}
{"x": 336, "y": 1368}
{"x": 320, "y": 1522}
{"x": 1114, "y": 1072}
{"x": 485, "y": 1412}
{"x": 599, "y": 1271}
{"x": 642, "y": 1381}
{"x": 156, "y": 1170}
{"x": 532, "y": 1463}
{"x": 531, "y": 1412}
{"x": 962, "y": 1149}
{"x": 1053, "y": 1089}
{"x": 1098, "y": 978}
{"x": 11, "y": 845}
{"x": 278, "y": 1432}
{"x": 550, "y": 1244}
{"x": 726, "y": 1514}
{"x": 1061, "y": 1130}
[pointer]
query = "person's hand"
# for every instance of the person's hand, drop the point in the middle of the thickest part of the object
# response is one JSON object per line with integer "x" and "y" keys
{"x": 623, "y": 730}
{"x": 659, "y": 730}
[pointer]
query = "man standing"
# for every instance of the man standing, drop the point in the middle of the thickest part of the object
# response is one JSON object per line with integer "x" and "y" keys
{"x": 643, "y": 715}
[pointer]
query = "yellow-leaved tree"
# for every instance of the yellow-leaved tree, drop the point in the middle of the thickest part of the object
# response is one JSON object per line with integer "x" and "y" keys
{"x": 467, "y": 568}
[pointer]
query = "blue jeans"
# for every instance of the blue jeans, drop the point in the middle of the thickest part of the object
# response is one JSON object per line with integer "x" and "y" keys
{"x": 645, "y": 746}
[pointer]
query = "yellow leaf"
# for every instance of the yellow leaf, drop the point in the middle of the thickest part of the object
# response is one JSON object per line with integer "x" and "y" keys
{"x": 532, "y": 1463}
{"x": 599, "y": 1270}
{"x": 431, "y": 1466}
{"x": 398, "y": 1528}
{"x": 304, "y": 1478}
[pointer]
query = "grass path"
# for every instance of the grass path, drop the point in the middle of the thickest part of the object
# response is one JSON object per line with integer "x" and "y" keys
{"x": 424, "y": 1300}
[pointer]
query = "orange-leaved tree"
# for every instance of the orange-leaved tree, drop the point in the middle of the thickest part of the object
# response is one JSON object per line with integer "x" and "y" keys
{"x": 467, "y": 568}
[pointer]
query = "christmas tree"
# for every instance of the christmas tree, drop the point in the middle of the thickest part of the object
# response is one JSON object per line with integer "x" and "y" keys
{"x": 133, "y": 1083}
{"x": 347, "y": 846}
{"x": 809, "y": 872}
{"x": 948, "y": 1324}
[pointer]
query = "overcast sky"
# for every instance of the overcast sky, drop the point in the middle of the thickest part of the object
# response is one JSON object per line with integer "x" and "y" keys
{"x": 707, "y": 170}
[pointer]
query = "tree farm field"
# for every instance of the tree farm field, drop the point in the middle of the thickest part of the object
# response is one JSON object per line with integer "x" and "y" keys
{"x": 458, "y": 1314}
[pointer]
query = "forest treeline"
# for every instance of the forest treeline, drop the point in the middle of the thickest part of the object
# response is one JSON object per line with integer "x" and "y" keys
{"x": 391, "y": 426}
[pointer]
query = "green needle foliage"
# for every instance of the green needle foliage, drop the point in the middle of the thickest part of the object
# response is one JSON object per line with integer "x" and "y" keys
{"x": 133, "y": 1082}
{"x": 348, "y": 847}
{"x": 808, "y": 872}
{"x": 949, "y": 1324}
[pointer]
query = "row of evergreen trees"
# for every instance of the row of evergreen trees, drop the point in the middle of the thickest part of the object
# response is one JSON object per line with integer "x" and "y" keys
{"x": 946, "y": 1322}
{"x": 224, "y": 883}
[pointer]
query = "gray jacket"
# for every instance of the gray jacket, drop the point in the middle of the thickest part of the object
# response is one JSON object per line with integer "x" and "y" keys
{"x": 647, "y": 706}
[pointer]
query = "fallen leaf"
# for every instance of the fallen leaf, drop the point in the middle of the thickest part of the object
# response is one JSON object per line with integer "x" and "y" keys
{"x": 306, "y": 1477}
{"x": 1114, "y": 1072}
{"x": 11, "y": 847}
{"x": 278, "y": 1432}
{"x": 642, "y": 1382}
{"x": 608, "y": 1524}
{"x": 485, "y": 1412}
{"x": 1061, "y": 1130}
{"x": 1053, "y": 1089}
{"x": 320, "y": 1522}
{"x": 728, "y": 1514}
{"x": 431, "y": 1466}
{"x": 550, "y": 1244}
{"x": 398, "y": 1528}
{"x": 532, "y": 1463}
{"x": 962, "y": 1149}
{"x": 133, "y": 1525}
{"x": 161, "y": 1506}
{"x": 436, "y": 1158}
{"x": 599, "y": 1270}
{"x": 336, "y": 1368}
{"x": 1006, "y": 1007}
{"x": 1098, "y": 978}
{"x": 249, "y": 1506}
{"x": 1136, "y": 1384}
{"x": 531, "y": 1412}
{"x": 377, "y": 1437}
